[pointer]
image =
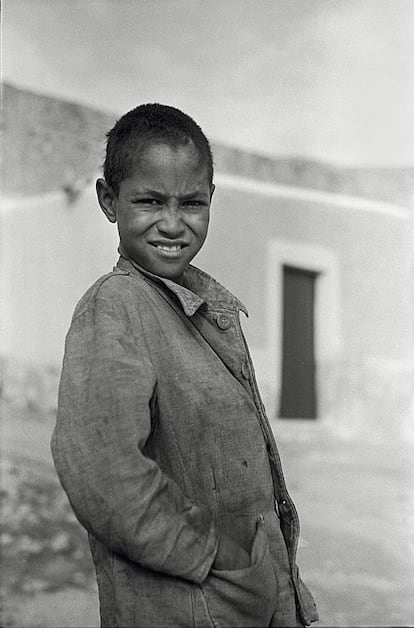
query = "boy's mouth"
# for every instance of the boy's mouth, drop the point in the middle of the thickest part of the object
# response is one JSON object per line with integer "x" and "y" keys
{"x": 169, "y": 250}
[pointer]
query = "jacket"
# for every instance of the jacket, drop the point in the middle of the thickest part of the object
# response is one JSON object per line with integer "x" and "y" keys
{"x": 161, "y": 442}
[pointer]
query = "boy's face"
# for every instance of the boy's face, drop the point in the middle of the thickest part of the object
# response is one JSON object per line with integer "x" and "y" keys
{"x": 162, "y": 208}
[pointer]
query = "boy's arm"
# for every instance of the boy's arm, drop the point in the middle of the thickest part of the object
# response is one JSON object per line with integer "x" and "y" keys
{"x": 120, "y": 495}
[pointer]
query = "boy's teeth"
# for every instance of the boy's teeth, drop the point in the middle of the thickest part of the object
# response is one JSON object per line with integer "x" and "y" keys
{"x": 174, "y": 248}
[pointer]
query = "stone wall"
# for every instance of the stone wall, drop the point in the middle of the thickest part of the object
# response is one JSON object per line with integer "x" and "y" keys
{"x": 52, "y": 144}
{"x": 29, "y": 390}
{"x": 49, "y": 143}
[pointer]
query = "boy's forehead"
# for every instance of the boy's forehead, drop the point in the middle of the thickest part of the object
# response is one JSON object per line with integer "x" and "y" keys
{"x": 156, "y": 152}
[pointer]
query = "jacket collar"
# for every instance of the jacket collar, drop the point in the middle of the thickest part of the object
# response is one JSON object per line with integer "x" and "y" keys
{"x": 198, "y": 288}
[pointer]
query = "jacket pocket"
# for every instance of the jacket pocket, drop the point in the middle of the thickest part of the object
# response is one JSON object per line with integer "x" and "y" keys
{"x": 243, "y": 597}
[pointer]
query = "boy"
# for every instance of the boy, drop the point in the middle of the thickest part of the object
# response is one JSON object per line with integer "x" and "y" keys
{"x": 161, "y": 441}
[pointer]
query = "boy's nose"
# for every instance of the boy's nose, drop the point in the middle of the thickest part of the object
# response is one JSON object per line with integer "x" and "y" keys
{"x": 170, "y": 224}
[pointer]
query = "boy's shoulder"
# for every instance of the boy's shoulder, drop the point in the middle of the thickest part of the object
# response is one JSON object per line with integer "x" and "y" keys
{"x": 118, "y": 286}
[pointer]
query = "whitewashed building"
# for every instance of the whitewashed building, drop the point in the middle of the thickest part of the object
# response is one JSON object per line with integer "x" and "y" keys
{"x": 322, "y": 257}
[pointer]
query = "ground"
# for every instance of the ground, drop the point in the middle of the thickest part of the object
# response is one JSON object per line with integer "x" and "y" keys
{"x": 355, "y": 501}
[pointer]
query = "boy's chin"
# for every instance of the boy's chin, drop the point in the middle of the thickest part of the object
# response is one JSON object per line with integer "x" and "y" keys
{"x": 173, "y": 272}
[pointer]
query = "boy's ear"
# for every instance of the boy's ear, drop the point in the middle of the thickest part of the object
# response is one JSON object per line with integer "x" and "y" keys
{"x": 106, "y": 199}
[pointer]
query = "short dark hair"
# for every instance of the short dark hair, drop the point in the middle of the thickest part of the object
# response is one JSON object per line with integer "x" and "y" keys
{"x": 145, "y": 124}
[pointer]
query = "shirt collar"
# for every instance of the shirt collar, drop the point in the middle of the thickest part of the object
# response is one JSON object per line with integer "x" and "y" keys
{"x": 198, "y": 288}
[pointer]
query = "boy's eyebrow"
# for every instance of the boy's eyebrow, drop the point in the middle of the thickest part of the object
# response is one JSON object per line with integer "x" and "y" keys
{"x": 184, "y": 197}
{"x": 196, "y": 192}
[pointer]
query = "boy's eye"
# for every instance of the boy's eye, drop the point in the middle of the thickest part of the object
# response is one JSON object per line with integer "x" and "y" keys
{"x": 152, "y": 202}
{"x": 193, "y": 203}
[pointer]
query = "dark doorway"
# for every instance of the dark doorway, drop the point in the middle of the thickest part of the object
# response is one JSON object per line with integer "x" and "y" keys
{"x": 298, "y": 398}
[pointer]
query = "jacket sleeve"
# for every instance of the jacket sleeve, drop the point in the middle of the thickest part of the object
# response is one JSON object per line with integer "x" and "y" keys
{"x": 118, "y": 494}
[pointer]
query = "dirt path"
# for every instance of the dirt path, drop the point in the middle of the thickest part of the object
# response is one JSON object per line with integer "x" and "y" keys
{"x": 356, "y": 502}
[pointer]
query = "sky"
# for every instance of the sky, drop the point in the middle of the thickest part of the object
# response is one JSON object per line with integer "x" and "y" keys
{"x": 324, "y": 79}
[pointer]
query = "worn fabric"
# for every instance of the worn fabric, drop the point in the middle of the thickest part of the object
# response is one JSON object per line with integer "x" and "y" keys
{"x": 162, "y": 442}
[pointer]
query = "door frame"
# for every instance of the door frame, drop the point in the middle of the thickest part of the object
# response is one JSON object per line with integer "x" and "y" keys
{"x": 327, "y": 324}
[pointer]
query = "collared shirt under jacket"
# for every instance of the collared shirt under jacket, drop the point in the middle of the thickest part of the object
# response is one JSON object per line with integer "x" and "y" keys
{"x": 161, "y": 443}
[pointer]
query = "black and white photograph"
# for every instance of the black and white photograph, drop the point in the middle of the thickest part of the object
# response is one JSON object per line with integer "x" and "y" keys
{"x": 207, "y": 314}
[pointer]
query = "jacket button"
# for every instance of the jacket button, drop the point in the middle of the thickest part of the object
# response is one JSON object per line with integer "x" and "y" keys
{"x": 223, "y": 322}
{"x": 245, "y": 370}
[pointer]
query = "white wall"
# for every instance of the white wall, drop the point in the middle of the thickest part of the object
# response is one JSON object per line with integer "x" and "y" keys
{"x": 364, "y": 305}
{"x": 370, "y": 241}
{"x": 52, "y": 251}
